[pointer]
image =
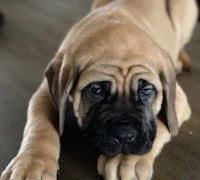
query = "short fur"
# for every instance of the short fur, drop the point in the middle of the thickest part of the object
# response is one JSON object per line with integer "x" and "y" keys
{"x": 120, "y": 41}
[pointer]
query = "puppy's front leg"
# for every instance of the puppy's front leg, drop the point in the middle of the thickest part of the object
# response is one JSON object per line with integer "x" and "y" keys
{"x": 38, "y": 156}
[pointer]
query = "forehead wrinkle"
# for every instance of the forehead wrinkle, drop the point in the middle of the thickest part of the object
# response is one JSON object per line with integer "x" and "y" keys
{"x": 133, "y": 71}
{"x": 120, "y": 74}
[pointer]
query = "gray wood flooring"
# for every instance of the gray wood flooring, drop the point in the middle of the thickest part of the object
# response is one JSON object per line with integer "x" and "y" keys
{"x": 34, "y": 29}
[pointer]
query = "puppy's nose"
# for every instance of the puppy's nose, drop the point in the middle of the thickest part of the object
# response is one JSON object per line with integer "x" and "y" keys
{"x": 124, "y": 133}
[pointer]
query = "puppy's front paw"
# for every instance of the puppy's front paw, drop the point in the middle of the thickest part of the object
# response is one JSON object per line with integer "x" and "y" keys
{"x": 125, "y": 167}
{"x": 30, "y": 167}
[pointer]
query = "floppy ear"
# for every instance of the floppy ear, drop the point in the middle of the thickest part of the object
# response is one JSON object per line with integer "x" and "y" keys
{"x": 168, "y": 78}
{"x": 60, "y": 82}
{"x": 52, "y": 74}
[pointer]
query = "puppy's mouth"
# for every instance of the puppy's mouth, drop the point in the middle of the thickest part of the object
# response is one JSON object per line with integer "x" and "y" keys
{"x": 122, "y": 136}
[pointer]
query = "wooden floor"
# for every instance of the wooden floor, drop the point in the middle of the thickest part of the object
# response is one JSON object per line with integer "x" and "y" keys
{"x": 34, "y": 29}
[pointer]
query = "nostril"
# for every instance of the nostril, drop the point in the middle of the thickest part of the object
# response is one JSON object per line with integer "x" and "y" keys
{"x": 129, "y": 140}
{"x": 124, "y": 137}
{"x": 116, "y": 140}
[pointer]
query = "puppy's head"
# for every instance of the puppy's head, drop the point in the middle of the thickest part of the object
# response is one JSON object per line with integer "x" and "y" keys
{"x": 117, "y": 86}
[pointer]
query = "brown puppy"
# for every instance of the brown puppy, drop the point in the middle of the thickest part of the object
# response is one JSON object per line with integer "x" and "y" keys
{"x": 116, "y": 70}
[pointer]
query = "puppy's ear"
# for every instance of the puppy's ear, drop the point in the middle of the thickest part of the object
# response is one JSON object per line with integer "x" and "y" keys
{"x": 168, "y": 79}
{"x": 60, "y": 82}
{"x": 52, "y": 74}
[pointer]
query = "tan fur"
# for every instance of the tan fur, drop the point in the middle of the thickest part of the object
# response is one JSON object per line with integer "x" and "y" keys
{"x": 121, "y": 42}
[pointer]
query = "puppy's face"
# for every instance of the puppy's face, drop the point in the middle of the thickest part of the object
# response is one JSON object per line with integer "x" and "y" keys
{"x": 116, "y": 123}
{"x": 116, "y": 106}
{"x": 117, "y": 81}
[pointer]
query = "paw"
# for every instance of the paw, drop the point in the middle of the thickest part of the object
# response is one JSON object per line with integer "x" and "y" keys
{"x": 125, "y": 167}
{"x": 30, "y": 167}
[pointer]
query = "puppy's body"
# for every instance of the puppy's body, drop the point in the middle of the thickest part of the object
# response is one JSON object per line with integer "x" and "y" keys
{"x": 168, "y": 23}
{"x": 120, "y": 42}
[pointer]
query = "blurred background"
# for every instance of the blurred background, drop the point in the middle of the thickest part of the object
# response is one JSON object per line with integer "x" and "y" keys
{"x": 30, "y": 34}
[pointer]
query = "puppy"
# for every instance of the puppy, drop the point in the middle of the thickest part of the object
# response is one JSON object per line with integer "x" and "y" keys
{"x": 116, "y": 71}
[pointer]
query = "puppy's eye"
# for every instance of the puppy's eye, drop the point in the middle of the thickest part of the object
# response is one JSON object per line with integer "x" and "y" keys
{"x": 146, "y": 90}
{"x": 98, "y": 90}
{"x": 95, "y": 89}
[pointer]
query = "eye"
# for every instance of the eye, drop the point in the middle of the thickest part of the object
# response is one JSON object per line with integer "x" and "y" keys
{"x": 98, "y": 90}
{"x": 95, "y": 89}
{"x": 146, "y": 90}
